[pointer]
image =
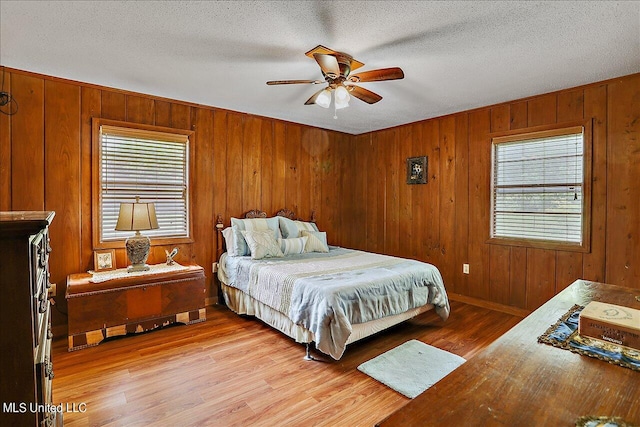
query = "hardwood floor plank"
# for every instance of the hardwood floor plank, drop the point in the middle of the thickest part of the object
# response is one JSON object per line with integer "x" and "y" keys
{"x": 233, "y": 370}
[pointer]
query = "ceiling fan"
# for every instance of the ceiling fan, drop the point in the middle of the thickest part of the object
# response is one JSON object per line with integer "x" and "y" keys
{"x": 336, "y": 69}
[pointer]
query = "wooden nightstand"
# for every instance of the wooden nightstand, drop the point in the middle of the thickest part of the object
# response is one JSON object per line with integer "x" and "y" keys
{"x": 132, "y": 304}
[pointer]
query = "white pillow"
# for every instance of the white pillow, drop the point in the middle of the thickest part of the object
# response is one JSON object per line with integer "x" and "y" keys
{"x": 228, "y": 235}
{"x": 317, "y": 241}
{"x": 239, "y": 243}
{"x": 293, "y": 246}
{"x": 262, "y": 244}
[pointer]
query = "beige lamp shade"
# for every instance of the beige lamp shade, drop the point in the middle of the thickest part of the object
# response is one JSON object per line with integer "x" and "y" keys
{"x": 136, "y": 217}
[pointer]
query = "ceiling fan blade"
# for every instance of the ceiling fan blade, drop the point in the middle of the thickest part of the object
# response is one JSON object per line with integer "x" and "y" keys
{"x": 364, "y": 94}
{"x": 293, "y": 82}
{"x": 313, "y": 98}
{"x": 394, "y": 73}
{"x": 354, "y": 64}
{"x": 320, "y": 49}
{"x": 328, "y": 64}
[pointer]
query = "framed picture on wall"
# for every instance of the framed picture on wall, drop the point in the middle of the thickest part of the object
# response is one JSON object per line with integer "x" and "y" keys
{"x": 417, "y": 170}
{"x": 104, "y": 260}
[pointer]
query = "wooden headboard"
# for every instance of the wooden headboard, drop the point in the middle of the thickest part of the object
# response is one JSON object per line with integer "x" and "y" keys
{"x": 254, "y": 213}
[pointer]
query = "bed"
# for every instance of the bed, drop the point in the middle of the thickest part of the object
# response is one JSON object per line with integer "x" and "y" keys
{"x": 314, "y": 292}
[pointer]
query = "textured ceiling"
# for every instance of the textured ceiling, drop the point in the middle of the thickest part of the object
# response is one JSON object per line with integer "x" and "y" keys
{"x": 455, "y": 55}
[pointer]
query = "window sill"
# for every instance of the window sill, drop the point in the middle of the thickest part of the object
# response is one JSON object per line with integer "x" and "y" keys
{"x": 159, "y": 241}
{"x": 540, "y": 244}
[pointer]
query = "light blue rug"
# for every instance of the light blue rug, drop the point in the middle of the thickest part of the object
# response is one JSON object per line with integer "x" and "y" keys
{"x": 412, "y": 367}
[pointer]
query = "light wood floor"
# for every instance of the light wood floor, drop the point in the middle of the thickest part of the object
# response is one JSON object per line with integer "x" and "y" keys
{"x": 234, "y": 371}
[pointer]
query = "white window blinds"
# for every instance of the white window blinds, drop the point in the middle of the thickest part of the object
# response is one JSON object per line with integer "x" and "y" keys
{"x": 149, "y": 164}
{"x": 538, "y": 187}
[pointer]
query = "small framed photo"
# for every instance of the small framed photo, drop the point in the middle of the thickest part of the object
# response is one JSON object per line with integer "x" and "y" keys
{"x": 417, "y": 170}
{"x": 104, "y": 260}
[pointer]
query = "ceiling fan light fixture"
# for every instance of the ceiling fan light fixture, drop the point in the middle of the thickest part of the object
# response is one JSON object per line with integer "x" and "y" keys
{"x": 342, "y": 95}
{"x": 324, "y": 98}
{"x": 336, "y": 69}
{"x": 341, "y": 104}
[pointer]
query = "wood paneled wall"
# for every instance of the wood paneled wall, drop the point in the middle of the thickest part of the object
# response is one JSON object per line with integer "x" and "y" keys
{"x": 239, "y": 162}
{"x": 446, "y": 222}
{"x": 355, "y": 184}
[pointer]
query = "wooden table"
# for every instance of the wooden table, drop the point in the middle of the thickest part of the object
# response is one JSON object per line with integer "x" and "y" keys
{"x": 517, "y": 381}
{"x": 132, "y": 304}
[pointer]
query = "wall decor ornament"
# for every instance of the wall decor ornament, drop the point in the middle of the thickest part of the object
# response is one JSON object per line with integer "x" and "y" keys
{"x": 417, "y": 170}
{"x": 104, "y": 260}
{"x": 170, "y": 255}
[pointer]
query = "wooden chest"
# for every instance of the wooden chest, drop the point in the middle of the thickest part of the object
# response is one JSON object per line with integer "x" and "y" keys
{"x": 132, "y": 304}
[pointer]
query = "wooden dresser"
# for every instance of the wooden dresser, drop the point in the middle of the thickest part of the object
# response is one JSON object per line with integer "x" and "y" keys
{"x": 135, "y": 303}
{"x": 25, "y": 335}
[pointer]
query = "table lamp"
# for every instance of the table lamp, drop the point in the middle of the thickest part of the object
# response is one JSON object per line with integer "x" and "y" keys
{"x": 137, "y": 217}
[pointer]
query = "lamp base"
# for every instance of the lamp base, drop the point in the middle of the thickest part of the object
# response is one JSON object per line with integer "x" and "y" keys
{"x": 138, "y": 267}
{"x": 138, "y": 252}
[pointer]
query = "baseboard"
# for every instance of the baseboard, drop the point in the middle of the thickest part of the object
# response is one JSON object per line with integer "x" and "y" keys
{"x": 515, "y": 311}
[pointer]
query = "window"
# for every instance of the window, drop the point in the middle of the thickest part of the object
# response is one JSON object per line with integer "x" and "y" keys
{"x": 541, "y": 189}
{"x": 144, "y": 161}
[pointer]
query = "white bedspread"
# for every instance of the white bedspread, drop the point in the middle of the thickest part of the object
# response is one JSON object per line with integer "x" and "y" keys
{"x": 327, "y": 293}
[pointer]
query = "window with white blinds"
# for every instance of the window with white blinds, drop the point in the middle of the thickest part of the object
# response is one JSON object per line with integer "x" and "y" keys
{"x": 538, "y": 186}
{"x": 149, "y": 164}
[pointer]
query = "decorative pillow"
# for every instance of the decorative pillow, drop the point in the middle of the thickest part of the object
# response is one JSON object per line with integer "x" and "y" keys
{"x": 288, "y": 228}
{"x": 262, "y": 244}
{"x": 317, "y": 241}
{"x": 227, "y": 233}
{"x": 291, "y": 229}
{"x": 293, "y": 246}
{"x": 239, "y": 243}
{"x": 308, "y": 226}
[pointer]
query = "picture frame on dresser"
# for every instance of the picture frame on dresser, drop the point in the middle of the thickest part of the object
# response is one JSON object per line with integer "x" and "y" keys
{"x": 104, "y": 260}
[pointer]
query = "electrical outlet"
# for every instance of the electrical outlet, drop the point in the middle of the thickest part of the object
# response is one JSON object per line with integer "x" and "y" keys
{"x": 465, "y": 268}
{"x": 214, "y": 267}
